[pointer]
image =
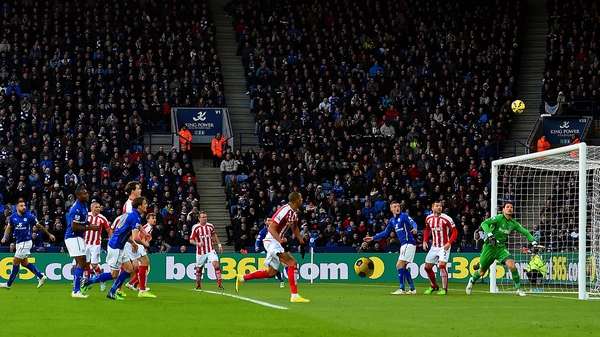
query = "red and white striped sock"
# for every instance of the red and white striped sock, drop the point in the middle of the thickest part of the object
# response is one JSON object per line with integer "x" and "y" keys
{"x": 259, "y": 274}
{"x": 444, "y": 274}
{"x": 218, "y": 275}
{"x": 142, "y": 276}
{"x": 431, "y": 276}
{"x": 292, "y": 277}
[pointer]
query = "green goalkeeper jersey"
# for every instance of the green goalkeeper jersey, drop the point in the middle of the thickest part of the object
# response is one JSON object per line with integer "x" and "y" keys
{"x": 501, "y": 228}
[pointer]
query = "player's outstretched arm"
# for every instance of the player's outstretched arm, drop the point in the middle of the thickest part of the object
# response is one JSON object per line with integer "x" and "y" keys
{"x": 381, "y": 235}
{"x": 7, "y": 231}
{"x": 43, "y": 230}
{"x": 525, "y": 232}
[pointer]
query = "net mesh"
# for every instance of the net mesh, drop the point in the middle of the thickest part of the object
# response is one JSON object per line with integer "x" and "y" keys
{"x": 545, "y": 192}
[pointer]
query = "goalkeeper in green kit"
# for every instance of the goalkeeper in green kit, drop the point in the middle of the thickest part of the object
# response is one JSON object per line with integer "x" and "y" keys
{"x": 498, "y": 228}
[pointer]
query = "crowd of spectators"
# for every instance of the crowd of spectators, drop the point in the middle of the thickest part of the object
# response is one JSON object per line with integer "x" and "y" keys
{"x": 572, "y": 65}
{"x": 80, "y": 83}
{"x": 357, "y": 104}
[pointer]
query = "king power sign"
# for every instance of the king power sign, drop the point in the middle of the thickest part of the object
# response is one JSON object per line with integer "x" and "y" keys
{"x": 558, "y": 130}
{"x": 203, "y": 123}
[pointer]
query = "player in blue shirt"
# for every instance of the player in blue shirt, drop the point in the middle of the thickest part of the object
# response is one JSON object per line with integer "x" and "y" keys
{"x": 23, "y": 223}
{"x": 129, "y": 229}
{"x": 77, "y": 223}
{"x": 405, "y": 228}
{"x": 259, "y": 242}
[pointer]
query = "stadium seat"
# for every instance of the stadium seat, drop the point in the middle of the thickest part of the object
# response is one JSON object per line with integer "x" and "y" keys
{"x": 242, "y": 177}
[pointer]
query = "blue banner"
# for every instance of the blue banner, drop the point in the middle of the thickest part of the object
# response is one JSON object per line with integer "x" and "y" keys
{"x": 558, "y": 130}
{"x": 203, "y": 123}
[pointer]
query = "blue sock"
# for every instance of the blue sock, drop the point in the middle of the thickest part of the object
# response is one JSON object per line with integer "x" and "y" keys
{"x": 34, "y": 270}
{"x": 100, "y": 278}
{"x": 279, "y": 276}
{"x": 78, "y": 275}
{"x": 13, "y": 275}
{"x": 120, "y": 280}
{"x": 409, "y": 279}
{"x": 401, "y": 277}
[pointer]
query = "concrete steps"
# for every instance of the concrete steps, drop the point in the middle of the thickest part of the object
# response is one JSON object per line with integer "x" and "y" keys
{"x": 531, "y": 71}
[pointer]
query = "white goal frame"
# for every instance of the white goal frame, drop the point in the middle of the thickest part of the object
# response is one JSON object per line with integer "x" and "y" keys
{"x": 582, "y": 159}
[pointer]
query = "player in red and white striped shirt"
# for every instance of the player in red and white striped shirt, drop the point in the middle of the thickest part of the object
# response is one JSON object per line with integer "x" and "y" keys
{"x": 438, "y": 225}
{"x": 134, "y": 190}
{"x": 286, "y": 217}
{"x": 202, "y": 236}
{"x": 92, "y": 241}
{"x": 141, "y": 276}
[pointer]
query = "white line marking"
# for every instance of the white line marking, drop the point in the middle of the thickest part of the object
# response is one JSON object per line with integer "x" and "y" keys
{"x": 245, "y": 299}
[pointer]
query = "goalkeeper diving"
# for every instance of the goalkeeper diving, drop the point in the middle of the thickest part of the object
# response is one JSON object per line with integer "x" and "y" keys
{"x": 498, "y": 228}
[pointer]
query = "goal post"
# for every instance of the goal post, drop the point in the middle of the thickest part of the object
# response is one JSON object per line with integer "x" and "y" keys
{"x": 553, "y": 192}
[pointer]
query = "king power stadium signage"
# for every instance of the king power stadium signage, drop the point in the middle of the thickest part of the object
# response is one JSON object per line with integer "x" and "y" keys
{"x": 562, "y": 267}
{"x": 203, "y": 123}
{"x": 558, "y": 130}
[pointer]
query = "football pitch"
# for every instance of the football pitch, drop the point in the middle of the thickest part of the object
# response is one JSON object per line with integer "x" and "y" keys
{"x": 263, "y": 309}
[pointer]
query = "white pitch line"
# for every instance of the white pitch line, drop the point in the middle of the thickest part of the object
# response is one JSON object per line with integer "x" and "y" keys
{"x": 245, "y": 299}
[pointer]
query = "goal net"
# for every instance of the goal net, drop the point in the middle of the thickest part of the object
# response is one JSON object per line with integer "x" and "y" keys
{"x": 557, "y": 199}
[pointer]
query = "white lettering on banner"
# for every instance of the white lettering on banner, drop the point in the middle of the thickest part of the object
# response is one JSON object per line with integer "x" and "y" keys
{"x": 333, "y": 271}
{"x": 51, "y": 271}
{"x": 413, "y": 268}
{"x": 324, "y": 271}
{"x": 573, "y": 271}
{"x": 178, "y": 271}
{"x": 564, "y": 131}
{"x": 67, "y": 272}
{"x": 309, "y": 271}
{"x": 200, "y": 125}
{"x": 174, "y": 271}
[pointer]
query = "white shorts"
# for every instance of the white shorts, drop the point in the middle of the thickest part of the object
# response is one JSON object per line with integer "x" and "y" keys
{"x": 75, "y": 246}
{"x": 273, "y": 248}
{"x": 407, "y": 252}
{"x": 92, "y": 254}
{"x": 211, "y": 257}
{"x": 140, "y": 252}
{"x": 23, "y": 249}
{"x": 116, "y": 257}
{"x": 437, "y": 254}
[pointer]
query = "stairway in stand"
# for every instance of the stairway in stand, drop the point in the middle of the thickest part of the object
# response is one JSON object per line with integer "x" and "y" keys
{"x": 234, "y": 79}
{"x": 212, "y": 201}
{"x": 533, "y": 54}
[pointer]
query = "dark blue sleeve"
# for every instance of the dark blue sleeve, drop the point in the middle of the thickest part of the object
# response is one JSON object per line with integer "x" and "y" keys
{"x": 33, "y": 219}
{"x": 386, "y": 232}
{"x": 407, "y": 220}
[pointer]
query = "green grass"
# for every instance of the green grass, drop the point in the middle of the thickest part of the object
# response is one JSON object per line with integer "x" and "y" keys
{"x": 336, "y": 309}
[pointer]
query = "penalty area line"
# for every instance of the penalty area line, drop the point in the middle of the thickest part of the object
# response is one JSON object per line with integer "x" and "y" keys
{"x": 265, "y": 304}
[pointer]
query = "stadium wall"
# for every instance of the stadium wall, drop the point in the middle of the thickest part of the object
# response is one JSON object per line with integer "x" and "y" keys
{"x": 562, "y": 267}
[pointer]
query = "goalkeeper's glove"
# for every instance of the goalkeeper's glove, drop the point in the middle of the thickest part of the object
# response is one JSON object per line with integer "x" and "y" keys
{"x": 286, "y": 246}
{"x": 493, "y": 241}
{"x": 536, "y": 245}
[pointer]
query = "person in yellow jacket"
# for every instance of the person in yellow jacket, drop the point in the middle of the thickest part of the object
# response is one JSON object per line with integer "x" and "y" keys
{"x": 185, "y": 139}
{"x": 216, "y": 146}
{"x": 536, "y": 269}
